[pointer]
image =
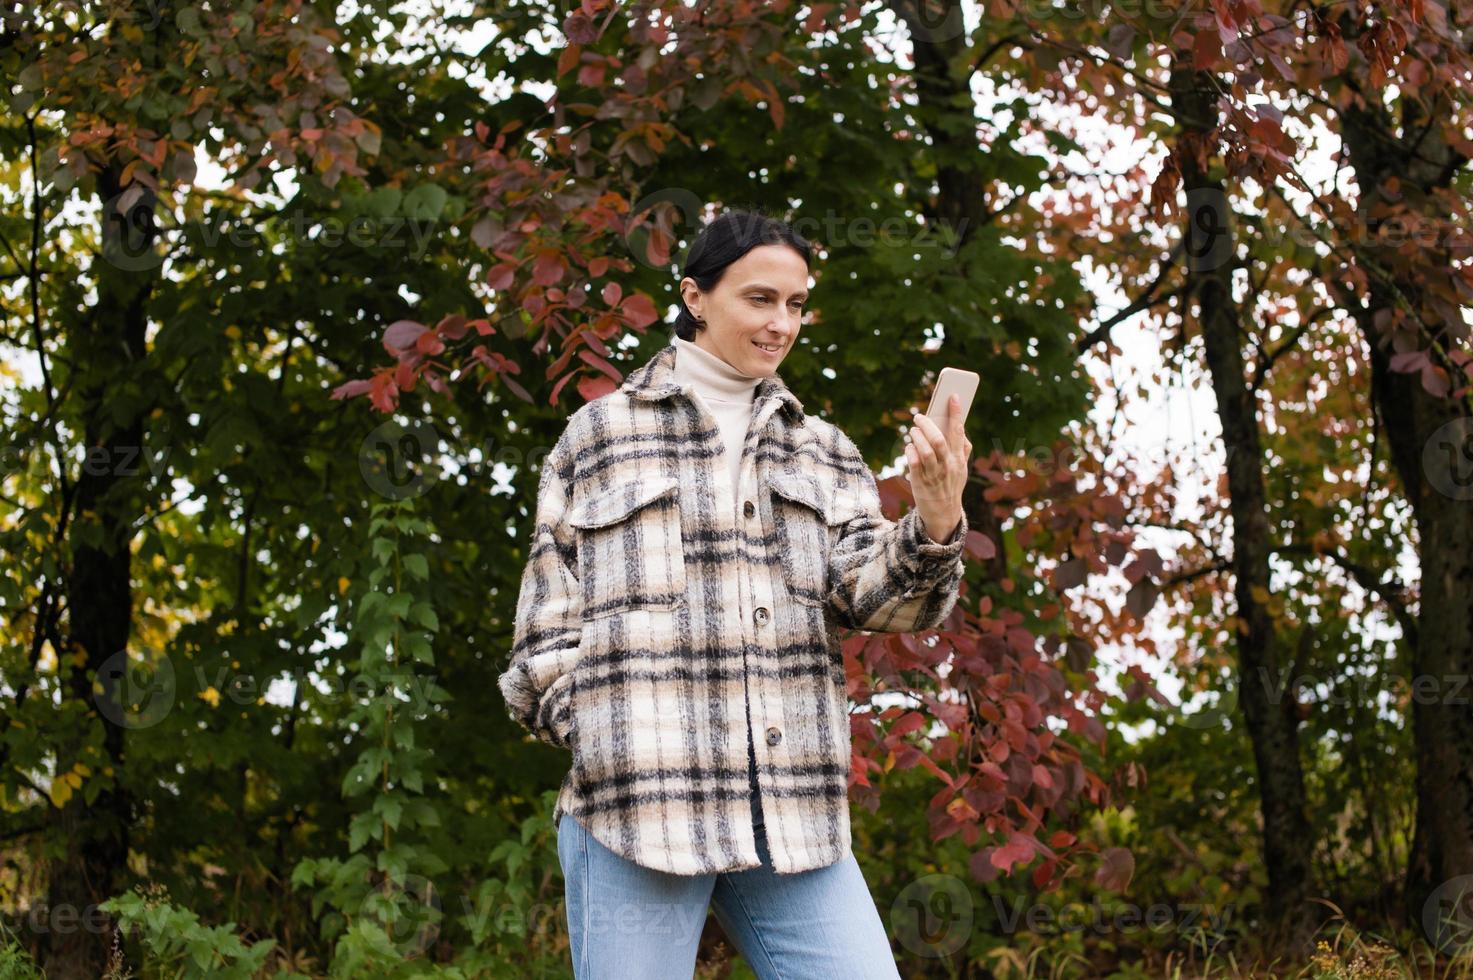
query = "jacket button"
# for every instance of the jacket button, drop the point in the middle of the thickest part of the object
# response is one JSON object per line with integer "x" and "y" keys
{"x": 774, "y": 736}
{"x": 760, "y": 615}
{"x": 748, "y": 509}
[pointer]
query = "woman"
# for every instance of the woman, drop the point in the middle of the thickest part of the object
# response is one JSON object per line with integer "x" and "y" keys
{"x": 699, "y": 543}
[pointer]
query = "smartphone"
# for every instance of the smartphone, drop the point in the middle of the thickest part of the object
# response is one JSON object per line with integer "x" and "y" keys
{"x": 953, "y": 381}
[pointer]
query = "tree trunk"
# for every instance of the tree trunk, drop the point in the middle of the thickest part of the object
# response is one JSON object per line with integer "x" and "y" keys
{"x": 1431, "y": 440}
{"x": 1272, "y": 722}
{"x": 107, "y": 353}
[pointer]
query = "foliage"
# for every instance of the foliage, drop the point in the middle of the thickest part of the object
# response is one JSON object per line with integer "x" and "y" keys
{"x": 306, "y": 760}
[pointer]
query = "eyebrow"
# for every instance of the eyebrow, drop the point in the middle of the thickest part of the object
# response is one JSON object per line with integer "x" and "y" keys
{"x": 769, "y": 289}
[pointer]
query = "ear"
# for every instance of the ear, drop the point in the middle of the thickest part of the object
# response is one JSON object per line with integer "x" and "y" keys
{"x": 691, "y": 296}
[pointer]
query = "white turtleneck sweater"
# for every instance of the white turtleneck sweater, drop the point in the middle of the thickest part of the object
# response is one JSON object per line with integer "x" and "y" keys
{"x": 726, "y": 393}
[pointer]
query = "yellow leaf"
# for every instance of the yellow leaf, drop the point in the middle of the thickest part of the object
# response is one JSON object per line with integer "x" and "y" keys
{"x": 81, "y": 767}
{"x": 211, "y": 695}
{"x": 342, "y": 585}
{"x": 890, "y": 761}
{"x": 73, "y": 779}
{"x": 233, "y": 332}
{"x": 60, "y": 792}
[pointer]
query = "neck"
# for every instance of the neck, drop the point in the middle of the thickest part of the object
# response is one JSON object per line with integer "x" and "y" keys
{"x": 710, "y": 374}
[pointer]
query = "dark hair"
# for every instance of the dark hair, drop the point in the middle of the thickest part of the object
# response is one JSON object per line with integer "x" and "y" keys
{"x": 727, "y": 238}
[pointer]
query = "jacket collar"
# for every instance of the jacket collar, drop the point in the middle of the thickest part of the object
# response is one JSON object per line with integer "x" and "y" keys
{"x": 655, "y": 379}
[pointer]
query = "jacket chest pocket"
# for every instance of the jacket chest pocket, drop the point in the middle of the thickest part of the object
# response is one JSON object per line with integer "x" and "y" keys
{"x": 630, "y": 554}
{"x": 802, "y": 517}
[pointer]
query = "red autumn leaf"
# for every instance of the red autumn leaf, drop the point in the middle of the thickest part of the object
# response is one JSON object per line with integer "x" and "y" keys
{"x": 1068, "y": 574}
{"x": 552, "y": 398}
{"x": 429, "y": 344}
{"x": 401, "y": 335}
{"x": 1117, "y": 866}
{"x": 590, "y": 357}
{"x": 516, "y": 389}
{"x": 501, "y": 276}
{"x": 959, "y": 809}
{"x": 1435, "y": 380}
{"x": 385, "y": 395}
{"x": 639, "y": 310}
{"x": 592, "y": 387}
{"x": 350, "y": 389}
{"x": 578, "y": 27}
{"x": 452, "y": 326}
{"x": 657, "y": 249}
{"x": 612, "y": 293}
{"x": 568, "y": 59}
{"x": 912, "y": 721}
{"x": 591, "y": 75}
{"x": 1408, "y": 361}
{"x": 549, "y": 267}
{"x": 1018, "y": 850}
{"x": 980, "y": 546}
{"x": 1141, "y": 597}
{"x": 1206, "y": 50}
{"x": 982, "y": 867}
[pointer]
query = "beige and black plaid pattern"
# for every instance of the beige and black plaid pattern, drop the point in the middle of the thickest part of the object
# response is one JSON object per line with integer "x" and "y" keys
{"x": 649, "y": 617}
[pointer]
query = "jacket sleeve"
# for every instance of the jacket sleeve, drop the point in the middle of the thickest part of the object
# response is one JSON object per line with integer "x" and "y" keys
{"x": 887, "y": 576}
{"x": 537, "y": 683}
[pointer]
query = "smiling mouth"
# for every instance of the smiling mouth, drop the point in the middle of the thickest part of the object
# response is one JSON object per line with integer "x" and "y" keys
{"x": 771, "y": 350}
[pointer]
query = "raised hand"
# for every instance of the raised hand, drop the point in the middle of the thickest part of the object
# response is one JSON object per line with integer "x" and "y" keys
{"x": 936, "y": 464}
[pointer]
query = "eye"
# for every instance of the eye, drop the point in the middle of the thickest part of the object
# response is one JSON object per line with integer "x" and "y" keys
{"x": 759, "y": 299}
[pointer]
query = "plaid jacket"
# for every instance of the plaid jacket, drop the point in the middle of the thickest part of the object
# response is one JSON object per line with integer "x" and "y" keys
{"x": 650, "y": 617}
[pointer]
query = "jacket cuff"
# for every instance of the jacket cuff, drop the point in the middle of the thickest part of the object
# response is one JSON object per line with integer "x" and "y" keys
{"x": 929, "y": 560}
{"x": 520, "y": 694}
{"x": 555, "y": 712}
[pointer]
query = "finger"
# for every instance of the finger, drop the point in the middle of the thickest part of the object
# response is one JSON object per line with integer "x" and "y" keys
{"x": 930, "y": 431}
{"x": 958, "y": 422}
{"x": 924, "y": 451}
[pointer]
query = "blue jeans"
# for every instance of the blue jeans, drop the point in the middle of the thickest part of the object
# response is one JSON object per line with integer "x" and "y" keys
{"x": 628, "y": 921}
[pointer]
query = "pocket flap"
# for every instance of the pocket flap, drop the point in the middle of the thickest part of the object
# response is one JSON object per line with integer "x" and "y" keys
{"x": 803, "y": 489}
{"x": 619, "y": 501}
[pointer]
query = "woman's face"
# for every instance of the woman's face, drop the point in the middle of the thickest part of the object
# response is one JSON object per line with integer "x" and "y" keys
{"x": 758, "y": 303}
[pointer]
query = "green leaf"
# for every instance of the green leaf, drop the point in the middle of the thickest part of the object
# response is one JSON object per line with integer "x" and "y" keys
{"x": 424, "y": 203}
{"x": 424, "y": 614}
{"x": 390, "y": 808}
